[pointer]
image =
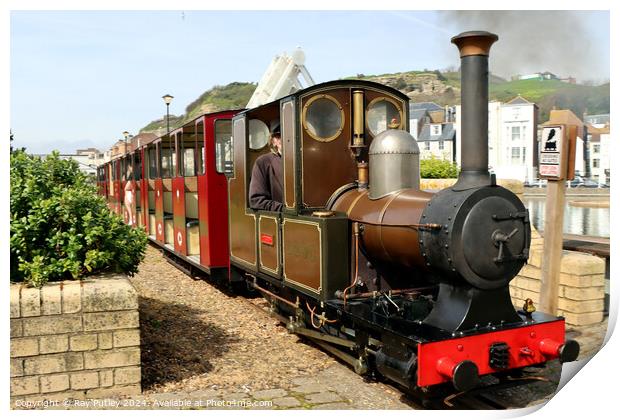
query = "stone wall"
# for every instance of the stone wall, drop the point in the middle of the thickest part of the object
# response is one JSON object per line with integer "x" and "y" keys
{"x": 439, "y": 184}
{"x": 75, "y": 339}
{"x": 582, "y": 284}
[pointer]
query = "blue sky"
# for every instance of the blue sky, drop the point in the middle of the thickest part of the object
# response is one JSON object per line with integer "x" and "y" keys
{"x": 79, "y": 79}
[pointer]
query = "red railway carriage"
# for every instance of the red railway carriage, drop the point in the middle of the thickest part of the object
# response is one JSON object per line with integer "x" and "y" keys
{"x": 113, "y": 185}
{"x": 174, "y": 187}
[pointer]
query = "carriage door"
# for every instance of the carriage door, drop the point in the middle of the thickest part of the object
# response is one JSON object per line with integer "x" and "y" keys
{"x": 164, "y": 168}
{"x": 117, "y": 186}
{"x": 152, "y": 174}
{"x": 178, "y": 193}
{"x": 136, "y": 176}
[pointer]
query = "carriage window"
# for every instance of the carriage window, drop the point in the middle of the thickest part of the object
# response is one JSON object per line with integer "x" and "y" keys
{"x": 123, "y": 173}
{"x": 323, "y": 118}
{"x": 168, "y": 158}
{"x": 137, "y": 165}
{"x": 152, "y": 160}
{"x": 187, "y": 144}
{"x": 382, "y": 114}
{"x": 128, "y": 173}
{"x": 224, "y": 147}
{"x": 200, "y": 148}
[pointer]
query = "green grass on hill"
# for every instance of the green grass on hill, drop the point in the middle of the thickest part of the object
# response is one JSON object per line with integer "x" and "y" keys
{"x": 532, "y": 90}
{"x": 545, "y": 93}
{"x": 219, "y": 98}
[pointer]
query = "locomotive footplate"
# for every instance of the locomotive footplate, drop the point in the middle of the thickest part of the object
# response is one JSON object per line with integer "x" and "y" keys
{"x": 458, "y": 357}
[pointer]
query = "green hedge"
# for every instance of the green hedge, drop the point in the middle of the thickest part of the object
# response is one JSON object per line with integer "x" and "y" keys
{"x": 60, "y": 228}
{"x": 434, "y": 168}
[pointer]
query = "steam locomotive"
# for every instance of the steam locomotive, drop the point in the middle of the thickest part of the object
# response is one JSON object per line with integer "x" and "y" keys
{"x": 406, "y": 284}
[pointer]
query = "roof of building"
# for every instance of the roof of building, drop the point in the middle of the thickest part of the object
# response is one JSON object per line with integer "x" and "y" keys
{"x": 519, "y": 100}
{"x": 447, "y": 133}
{"x": 437, "y": 116}
{"x": 428, "y": 106}
{"x": 597, "y": 118}
{"x": 417, "y": 114}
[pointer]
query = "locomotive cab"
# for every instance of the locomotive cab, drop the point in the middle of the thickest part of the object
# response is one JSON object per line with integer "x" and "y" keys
{"x": 325, "y": 132}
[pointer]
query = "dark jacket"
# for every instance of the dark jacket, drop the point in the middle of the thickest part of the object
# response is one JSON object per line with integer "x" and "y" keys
{"x": 266, "y": 183}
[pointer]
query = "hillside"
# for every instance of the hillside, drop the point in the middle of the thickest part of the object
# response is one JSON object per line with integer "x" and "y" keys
{"x": 442, "y": 88}
{"x": 219, "y": 98}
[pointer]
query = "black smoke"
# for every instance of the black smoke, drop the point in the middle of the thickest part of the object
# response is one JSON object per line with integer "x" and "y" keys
{"x": 537, "y": 41}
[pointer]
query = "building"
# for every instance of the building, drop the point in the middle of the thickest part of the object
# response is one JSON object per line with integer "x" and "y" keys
{"x": 545, "y": 75}
{"x": 597, "y": 121}
{"x": 87, "y": 159}
{"x": 420, "y": 114}
{"x": 513, "y": 144}
{"x": 433, "y": 127}
{"x": 599, "y": 147}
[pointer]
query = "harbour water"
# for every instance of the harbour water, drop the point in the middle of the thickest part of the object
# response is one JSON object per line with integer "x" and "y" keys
{"x": 589, "y": 221}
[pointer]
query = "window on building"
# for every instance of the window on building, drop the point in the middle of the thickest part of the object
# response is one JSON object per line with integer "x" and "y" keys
{"x": 596, "y": 163}
{"x": 517, "y": 156}
{"x": 427, "y": 145}
{"x": 441, "y": 145}
{"x": 435, "y": 129}
{"x": 596, "y": 148}
{"x": 516, "y": 134}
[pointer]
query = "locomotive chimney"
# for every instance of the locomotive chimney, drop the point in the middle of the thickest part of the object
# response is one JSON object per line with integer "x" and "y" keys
{"x": 474, "y": 48}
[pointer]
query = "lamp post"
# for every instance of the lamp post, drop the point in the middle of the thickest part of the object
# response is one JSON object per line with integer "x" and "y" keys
{"x": 167, "y": 99}
{"x": 126, "y": 134}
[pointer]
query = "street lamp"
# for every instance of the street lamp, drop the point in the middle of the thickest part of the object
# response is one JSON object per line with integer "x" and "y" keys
{"x": 167, "y": 99}
{"x": 126, "y": 134}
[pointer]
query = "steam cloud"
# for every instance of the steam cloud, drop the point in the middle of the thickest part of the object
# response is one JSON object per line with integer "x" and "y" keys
{"x": 536, "y": 41}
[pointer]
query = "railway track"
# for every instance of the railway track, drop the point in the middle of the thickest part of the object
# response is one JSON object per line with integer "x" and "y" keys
{"x": 478, "y": 399}
{"x": 473, "y": 400}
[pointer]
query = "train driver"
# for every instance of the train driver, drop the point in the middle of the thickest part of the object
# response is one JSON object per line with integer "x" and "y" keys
{"x": 266, "y": 182}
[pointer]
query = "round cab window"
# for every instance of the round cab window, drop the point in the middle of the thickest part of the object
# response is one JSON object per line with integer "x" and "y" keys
{"x": 382, "y": 115}
{"x": 259, "y": 134}
{"x": 323, "y": 118}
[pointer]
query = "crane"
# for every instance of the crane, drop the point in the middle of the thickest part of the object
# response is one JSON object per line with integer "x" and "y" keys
{"x": 281, "y": 78}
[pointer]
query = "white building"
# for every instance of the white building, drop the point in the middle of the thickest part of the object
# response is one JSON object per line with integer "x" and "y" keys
{"x": 513, "y": 146}
{"x": 87, "y": 159}
{"x": 600, "y": 149}
{"x": 433, "y": 128}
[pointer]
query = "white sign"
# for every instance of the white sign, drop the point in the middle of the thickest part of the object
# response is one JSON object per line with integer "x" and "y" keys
{"x": 552, "y": 139}
{"x": 551, "y": 142}
{"x": 550, "y": 159}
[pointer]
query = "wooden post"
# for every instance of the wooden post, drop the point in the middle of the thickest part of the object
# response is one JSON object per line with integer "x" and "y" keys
{"x": 552, "y": 250}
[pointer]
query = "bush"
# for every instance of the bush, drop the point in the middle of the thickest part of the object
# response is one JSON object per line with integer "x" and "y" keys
{"x": 60, "y": 227}
{"x": 434, "y": 168}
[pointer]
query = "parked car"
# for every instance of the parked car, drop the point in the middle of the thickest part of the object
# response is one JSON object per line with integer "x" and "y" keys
{"x": 537, "y": 183}
{"x": 582, "y": 182}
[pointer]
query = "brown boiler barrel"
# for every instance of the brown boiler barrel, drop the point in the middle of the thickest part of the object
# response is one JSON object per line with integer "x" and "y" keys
{"x": 390, "y": 232}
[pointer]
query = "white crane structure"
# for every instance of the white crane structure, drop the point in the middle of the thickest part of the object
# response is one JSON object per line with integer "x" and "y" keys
{"x": 281, "y": 78}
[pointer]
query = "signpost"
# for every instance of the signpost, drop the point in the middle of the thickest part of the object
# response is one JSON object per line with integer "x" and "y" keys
{"x": 557, "y": 165}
